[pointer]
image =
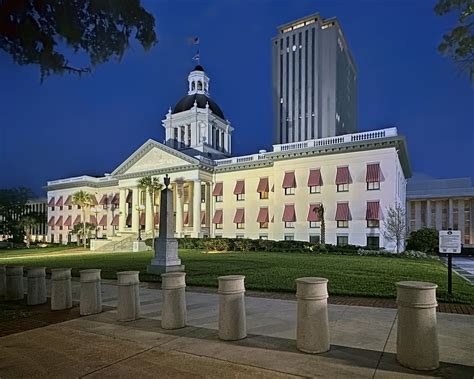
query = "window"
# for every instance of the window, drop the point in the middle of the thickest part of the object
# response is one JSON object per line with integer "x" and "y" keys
{"x": 289, "y": 237}
{"x": 373, "y": 186}
{"x": 314, "y": 224}
{"x": 61, "y": 208}
{"x": 343, "y": 224}
{"x": 467, "y": 222}
{"x": 52, "y": 208}
{"x": 240, "y": 225}
{"x": 289, "y": 191}
{"x": 263, "y": 225}
{"x": 69, "y": 207}
{"x": 343, "y": 187}
{"x": 289, "y": 224}
{"x": 314, "y": 239}
{"x": 263, "y": 195}
{"x": 373, "y": 242}
{"x": 217, "y": 236}
{"x": 444, "y": 215}
{"x": 104, "y": 206}
{"x": 263, "y": 237}
{"x": 203, "y": 193}
{"x": 239, "y": 236}
{"x": 78, "y": 207}
{"x": 218, "y": 198}
{"x": 455, "y": 215}
{"x": 240, "y": 196}
{"x": 373, "y": 223}
{"x": 218, "y": 226}
{"x": 342, "y": 240}
{"x": 315, "y": 189}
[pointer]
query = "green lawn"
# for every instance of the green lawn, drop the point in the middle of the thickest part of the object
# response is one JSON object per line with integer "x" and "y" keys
{"x": 348, "y": 275}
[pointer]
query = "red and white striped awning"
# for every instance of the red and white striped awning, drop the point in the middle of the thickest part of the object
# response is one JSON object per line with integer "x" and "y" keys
{"x": 289, "y": 181}
{"x": 59, "y": 222}
{"x": 239, "y": 217}
{"x": 115, "y": 220}
{"x": 115, "y": 199}
{"x": 51, "y": 221}
{"x": 313, "y": 215}
{"x": 103, "y": 221}
{"x": 263, "y": 185}
{"x": 373, "y": 210}
{"x": 314, "y": 178}
{"x": 186, "y": 218}
{"x": 128, "y": 221}
{"x": 93, "y": 200}
{"x": 68, "y": 221}
{"x": 289, "y": 214}
{"x": 203, "y": 217}
{"x": 239, "y": 187}
{"x": 68, "y": 201}
{"x": 103, "y": 200}
{"x": 373, "y": 173}
{"x": 59, "y": 203}
{"x": 342, "y": 212}
{"x": 93, "y": 220}
{"x": 218, "y": 216}
{"x": 77, "y": 220}
{"x": 51, "y": 202}
{"x": 343, "y": 175}
{"x": 263, "y": 215}
{"x": 218, "y": 189}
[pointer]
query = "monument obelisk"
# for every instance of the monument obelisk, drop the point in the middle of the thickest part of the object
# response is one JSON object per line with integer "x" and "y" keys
{"x": 166, "y": 245}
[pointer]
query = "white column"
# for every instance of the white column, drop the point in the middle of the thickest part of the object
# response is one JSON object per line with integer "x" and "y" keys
{"x": 428, "y": 213}
{"x": 149, "y": 213}
{"x": 179, "y": 210}
{"x": 196, "y": 209}
{"x": 122, "y": 209}
{"x": 135, "y": 213}
{"x": 450, "y": 213}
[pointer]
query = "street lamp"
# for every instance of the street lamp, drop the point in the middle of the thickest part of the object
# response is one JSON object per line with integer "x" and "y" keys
{"x": 96, "y": 210}
{"x": 140, "y": 208}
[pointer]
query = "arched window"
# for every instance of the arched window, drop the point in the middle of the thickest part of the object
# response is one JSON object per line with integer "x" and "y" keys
{"x": 199, "y": 86}
{"x": 193, "y": 86}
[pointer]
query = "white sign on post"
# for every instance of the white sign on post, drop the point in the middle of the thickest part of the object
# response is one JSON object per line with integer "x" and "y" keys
{"x": 450, "y": 241}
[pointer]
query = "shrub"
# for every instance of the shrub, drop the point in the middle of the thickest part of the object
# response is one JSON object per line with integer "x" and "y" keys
{"x": 424, "y": 240}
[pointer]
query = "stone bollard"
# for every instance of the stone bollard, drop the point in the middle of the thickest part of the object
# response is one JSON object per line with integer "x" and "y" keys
{"x": 128, "y": 308}
{"x": 417, "y": 335}
{"x": 36, "y": 283}
{"x": 232, "y": 322}
{"x": 91, "y": 292}
{"x": 61, "y": 292}
{"x": 173, "y": 314}
{"x": 14, "y": 283}
{"x": 312, "y": 328}
{"x": 3, "y": 281}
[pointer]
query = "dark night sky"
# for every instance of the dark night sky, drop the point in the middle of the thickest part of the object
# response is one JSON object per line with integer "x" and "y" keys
{"x": 70, "y": 126}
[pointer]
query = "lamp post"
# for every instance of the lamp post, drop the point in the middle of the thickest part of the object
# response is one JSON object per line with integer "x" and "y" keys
{"x": 140, "y": 208}
{"x": 96, "y": 210}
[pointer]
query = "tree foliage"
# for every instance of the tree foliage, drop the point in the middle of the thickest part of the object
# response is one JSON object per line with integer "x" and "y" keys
{"x": 425, "y": 240}
{"x": 12, "y": 207}
{"x": 84, "y": 200}
{"x": 320, "y": 211}
{"x": 41, "y": 31}
{"x": 28, "y": 221}
{"x": 82, "y": 229}
{"x": 458, "y": 43}
{"x": 394, "y": 225}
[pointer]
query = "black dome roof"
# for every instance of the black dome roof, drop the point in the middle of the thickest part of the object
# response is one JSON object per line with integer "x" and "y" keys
{"x": 199, "y": 68}
{"x": 187, "y": 102}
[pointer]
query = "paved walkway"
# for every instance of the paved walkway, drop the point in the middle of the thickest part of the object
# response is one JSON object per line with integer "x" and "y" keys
{"x": 464, "y": 266}
{"x": 362, "y": 344}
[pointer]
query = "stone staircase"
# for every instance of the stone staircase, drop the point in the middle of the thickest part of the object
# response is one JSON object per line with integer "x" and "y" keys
{"x": 124, "y": 242}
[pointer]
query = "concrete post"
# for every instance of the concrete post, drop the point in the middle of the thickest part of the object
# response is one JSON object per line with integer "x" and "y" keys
{"x": 14, "y": 283}
{"x": 232, "y": 322}
{"x": 173, "y": 314}
{"x": 3, "y": 281}
{"x": 128, "y": 308}
{"x": 61, "y": 293}
{"x": 417, "y": 335}
{"x": 312, "y": 328}
{"x": 36, "y": 283}
{"x": 91, "y": 292}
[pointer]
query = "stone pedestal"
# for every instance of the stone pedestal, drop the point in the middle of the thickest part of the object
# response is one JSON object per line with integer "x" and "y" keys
{"x": 91, "y": 292}
{"x": 166, "y": 246}
{"x": 232, "y": 319}
{"x": 128, "y": 308}
{"x": 61, "y": 294}
{"x": 173, "y": 314}
{"x": 139, "y": 246}
{"x": 417, "y": 335}
{"x": 312, "y": 328}
{"x": 3, "y": 281}
{"x": 36, "y": 283}
{"x": 14, "y": 283}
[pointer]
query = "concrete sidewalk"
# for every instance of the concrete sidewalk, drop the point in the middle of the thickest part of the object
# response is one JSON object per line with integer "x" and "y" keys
{"x": 362, "y": 344}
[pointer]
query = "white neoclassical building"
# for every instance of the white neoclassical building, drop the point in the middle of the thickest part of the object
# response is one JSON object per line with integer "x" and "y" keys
{"x": 267, "y": 195}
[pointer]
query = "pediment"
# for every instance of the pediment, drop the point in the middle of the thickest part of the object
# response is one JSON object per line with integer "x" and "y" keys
{"x": 154, "y": 156}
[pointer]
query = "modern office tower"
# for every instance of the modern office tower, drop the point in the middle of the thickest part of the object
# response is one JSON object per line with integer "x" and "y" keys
{"x": 314, "y": 81}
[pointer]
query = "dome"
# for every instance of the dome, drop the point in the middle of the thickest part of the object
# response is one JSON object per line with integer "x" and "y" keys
{"x": 187, "y": 103}
{"x": 199, "y": 68}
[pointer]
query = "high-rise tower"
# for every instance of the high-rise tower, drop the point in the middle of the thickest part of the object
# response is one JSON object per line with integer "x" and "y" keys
{"x": 314, "y": 81}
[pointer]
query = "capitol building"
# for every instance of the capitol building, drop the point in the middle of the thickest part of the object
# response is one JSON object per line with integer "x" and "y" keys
{"x": 267, "y": 195}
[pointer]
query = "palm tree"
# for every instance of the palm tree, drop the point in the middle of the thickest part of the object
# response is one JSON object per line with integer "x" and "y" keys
{"x": 79, "y": 229}
{"x": 320, "y": 211}
{"x": 152, "y": 186}
{"x": 84, "y": 200}
{"x": 27, "y": 222}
